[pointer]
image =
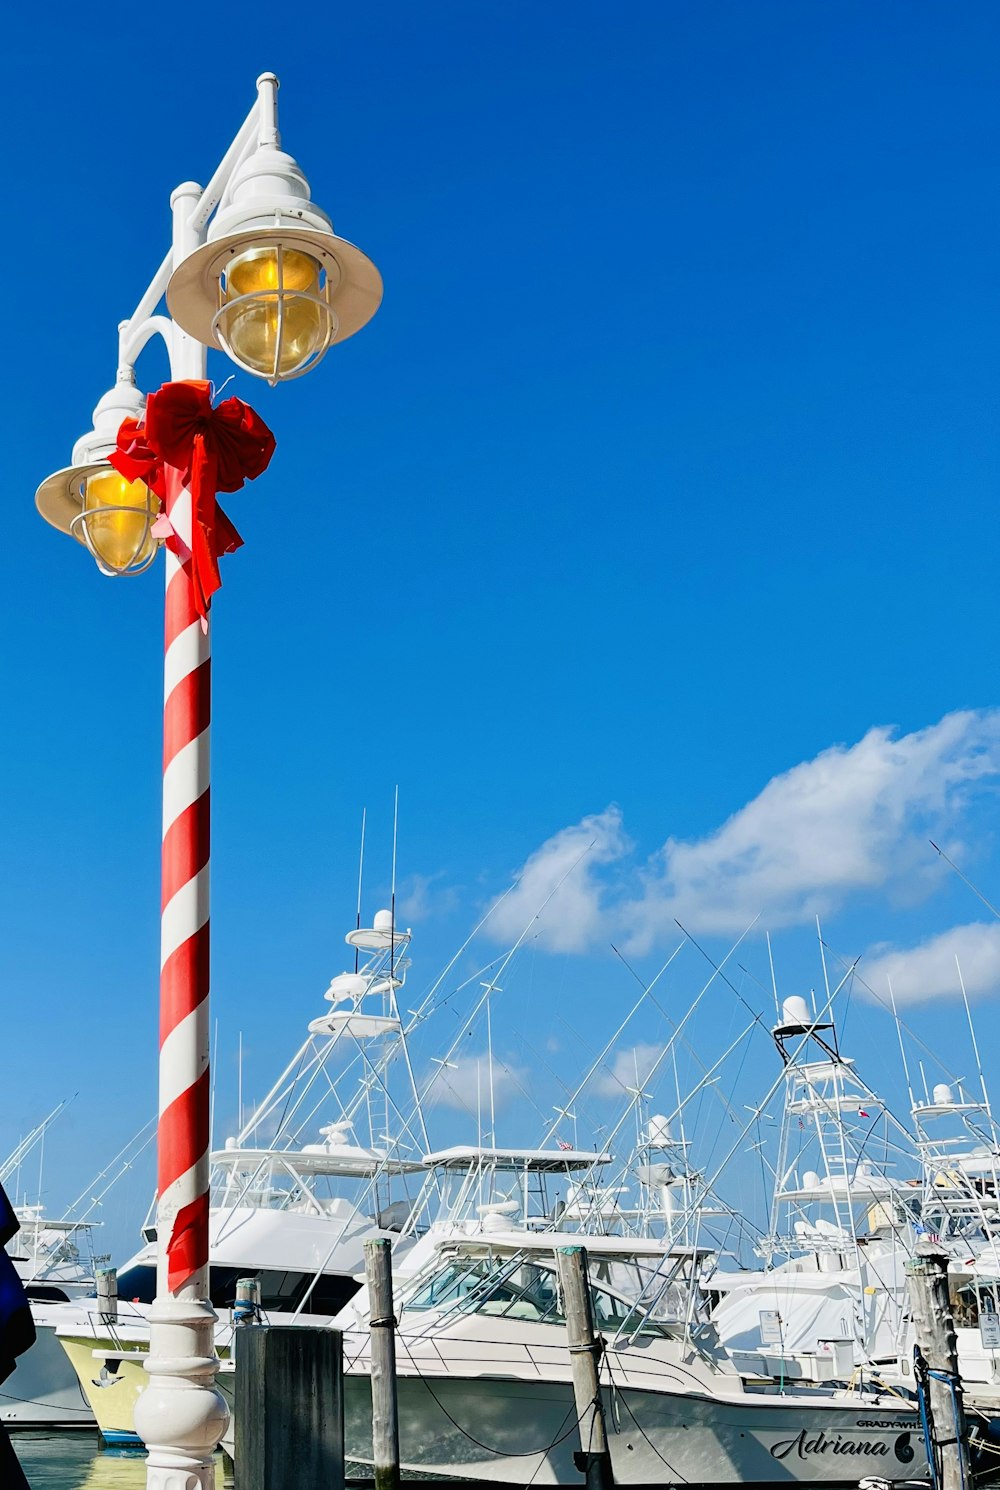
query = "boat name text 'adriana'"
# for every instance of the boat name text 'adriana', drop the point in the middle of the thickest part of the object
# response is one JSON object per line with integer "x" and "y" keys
{"x": 803, "y": 1445}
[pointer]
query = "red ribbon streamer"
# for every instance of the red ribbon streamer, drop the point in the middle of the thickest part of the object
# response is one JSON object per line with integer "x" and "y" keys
{"x": 188, "y": 1243}
{"x": 215, "y": 449}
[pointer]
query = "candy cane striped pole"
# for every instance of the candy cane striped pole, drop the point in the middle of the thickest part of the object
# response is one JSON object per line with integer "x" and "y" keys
{"x": 180, "y": 1416}
{"x": 183, "y": 1140}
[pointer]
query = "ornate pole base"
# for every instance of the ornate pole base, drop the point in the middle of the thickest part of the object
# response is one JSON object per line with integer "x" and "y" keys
{"x": 180, "y": 1416}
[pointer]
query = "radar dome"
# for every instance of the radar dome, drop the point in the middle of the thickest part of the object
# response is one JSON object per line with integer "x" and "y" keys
{"x": 383, "y": 921}
{"x": 346, "y": 986}
{"x": 795, "y": 1010}
{"x": 943, "y": 1095}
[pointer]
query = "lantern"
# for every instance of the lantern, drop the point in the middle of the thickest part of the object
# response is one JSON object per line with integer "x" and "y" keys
{"x": 273, "y": 286}
{"x": 110, "y": 516}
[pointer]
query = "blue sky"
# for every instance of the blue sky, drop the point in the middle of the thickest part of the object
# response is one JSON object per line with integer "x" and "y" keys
{"x": 668, "y": 465}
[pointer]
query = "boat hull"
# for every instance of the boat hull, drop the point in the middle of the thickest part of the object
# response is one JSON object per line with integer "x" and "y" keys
{"x": 112, "y": 1393}
{"x": 520, "y": 1432}
{"x": 43, "y": 1390}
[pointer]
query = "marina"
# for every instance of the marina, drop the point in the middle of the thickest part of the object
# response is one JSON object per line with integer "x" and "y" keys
{"x": 569, "y": 1055}
{"x": 705, "y": 1374}
{"x": 848, "y": 1340}
{"x": 547, "y": 1314}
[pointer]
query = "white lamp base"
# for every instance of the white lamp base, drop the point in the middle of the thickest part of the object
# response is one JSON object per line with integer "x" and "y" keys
{"x": 180, "y": 1416}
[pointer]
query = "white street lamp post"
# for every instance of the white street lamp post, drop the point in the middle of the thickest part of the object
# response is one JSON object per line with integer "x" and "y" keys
{"x": 255, "y": 269}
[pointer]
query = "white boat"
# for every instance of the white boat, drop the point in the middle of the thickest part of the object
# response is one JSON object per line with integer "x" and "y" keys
{"x": 475, "y": 1190}
{"x": 292, "y": 1214}
{"x": 470, "y": 1190}
{"x": 485, "y": 1393}
{"x": 846, "y": 1227}
{"x": 842, "y": 1227}
{"x": 959, "y": 1212}
{"x": 477, "y": 1346}
{"x": 55, "y": 1260}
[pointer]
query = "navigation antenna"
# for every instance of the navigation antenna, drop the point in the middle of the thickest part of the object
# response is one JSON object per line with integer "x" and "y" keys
{"x": 392, "y": 931}
{"x": 392, "y": 902}
{"x": 774, "y": 981}
{"x": 41, "y": 1166}
{"x": 834, "y": 1033}
{"x": 902, "y": 1047}
{"x": 361, "y": 871}
{"x": 975, "y": 1042}
{"x": 491, "y": 987}
{"x": 965, "y": 879}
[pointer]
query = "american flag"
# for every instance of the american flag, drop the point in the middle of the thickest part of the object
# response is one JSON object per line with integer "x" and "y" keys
{"x": 564, "y": 1146}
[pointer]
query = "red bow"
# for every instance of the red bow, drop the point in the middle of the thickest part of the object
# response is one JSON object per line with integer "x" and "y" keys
{"x": 214, "y": 450}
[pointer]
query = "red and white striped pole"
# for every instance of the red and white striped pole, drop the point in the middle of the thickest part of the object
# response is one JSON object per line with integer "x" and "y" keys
{"x": 180, "y": 1416}
{"x": 183, "y": 1137}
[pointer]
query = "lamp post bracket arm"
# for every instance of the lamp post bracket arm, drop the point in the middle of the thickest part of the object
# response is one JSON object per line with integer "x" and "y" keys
{"x": 150, "y": 300}
{"x": 243, "y": 145}
{"x": 138, "y": 334}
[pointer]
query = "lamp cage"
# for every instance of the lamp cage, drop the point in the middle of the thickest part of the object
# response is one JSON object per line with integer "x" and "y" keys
{"x": 275, "y": 315}
{"x": 118, "y": 534}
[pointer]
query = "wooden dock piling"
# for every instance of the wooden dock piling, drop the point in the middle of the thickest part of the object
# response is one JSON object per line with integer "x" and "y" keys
{"x": 289, "y": 1407}
{"x": 246, "y": 1309}
{"x": 927, "y": 1281}
{"x": 382, "y": 1325}
{"x": 107, "y": 1295}
{"x": 594, "y": 1458}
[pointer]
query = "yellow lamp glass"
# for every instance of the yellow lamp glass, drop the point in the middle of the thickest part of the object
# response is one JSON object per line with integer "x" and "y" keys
{"x": 118, "y": 515}
{"x": 257, "y": 284}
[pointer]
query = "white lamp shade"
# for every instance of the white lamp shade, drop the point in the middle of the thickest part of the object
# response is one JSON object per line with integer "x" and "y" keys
{"x": 59, "y": 499}
{"x": 270, "y": 208}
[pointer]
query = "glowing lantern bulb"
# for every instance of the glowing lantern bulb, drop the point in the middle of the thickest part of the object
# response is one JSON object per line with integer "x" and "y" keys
{"x": 270, "y": 318}
{"x": 118, "y": 516}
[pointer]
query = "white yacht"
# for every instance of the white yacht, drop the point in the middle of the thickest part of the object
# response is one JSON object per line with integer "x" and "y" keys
{"x": 55, "y": 1260}
{"x": 959, "y": 1211}
{"x": 842, "y": 1226}
{"x": 485, "y": 1393}
{"x": 845, "y": 1227}
{"x": 470, "y": 1190}
{"x": 475, "y": 1190}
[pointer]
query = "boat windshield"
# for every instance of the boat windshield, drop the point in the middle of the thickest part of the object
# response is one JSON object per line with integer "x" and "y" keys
{"x": 280, "y": 1290}
{"x": 521, "y": 1287}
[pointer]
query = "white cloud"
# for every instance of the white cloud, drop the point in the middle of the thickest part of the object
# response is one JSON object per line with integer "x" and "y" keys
{"x": 574, "y": 919}
{"x": 465, "y": 1084}
{"x": 928, "y": 970}
{"x": 853, "y": 820}
{"x": 630, "y": 1069}
{"x": 423, "y": 897}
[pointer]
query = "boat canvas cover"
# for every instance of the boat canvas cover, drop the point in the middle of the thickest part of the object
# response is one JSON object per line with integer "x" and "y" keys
{"x": 806, "y": 1314}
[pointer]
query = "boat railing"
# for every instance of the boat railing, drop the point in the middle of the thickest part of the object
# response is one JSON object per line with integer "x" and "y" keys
{"x": 543, "y": 1359}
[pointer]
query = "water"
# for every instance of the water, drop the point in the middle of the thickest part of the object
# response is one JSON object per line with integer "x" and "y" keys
{"x": 76, "y": 1461}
